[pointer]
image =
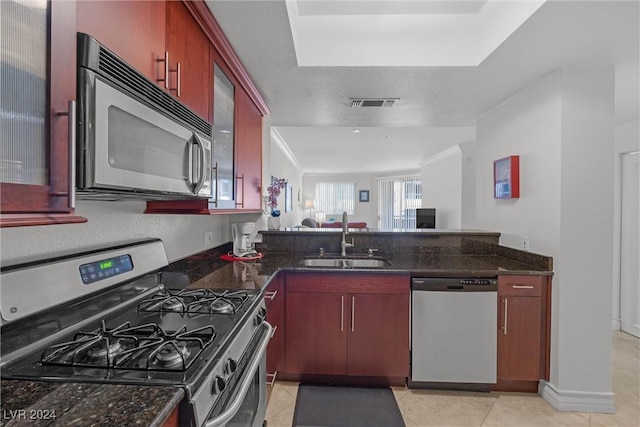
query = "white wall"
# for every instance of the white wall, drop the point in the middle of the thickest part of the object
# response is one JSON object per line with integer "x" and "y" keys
{"x": 442, "y": 187}
{"x": 283, "y": 165}
{"x": 627, "y": 140}
{"x": 110, "y": 222}
{"x": 585, "y": 266}
{"x": 527, "y": 125}
{"x": 468, "y": 203}
{"x": 562, "y": 128}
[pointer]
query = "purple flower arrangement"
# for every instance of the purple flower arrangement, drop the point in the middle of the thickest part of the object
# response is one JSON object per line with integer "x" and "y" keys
{"x": 274, "y": 191}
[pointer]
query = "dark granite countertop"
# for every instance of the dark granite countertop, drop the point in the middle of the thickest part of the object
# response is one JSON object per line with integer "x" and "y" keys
{"x": 41, "y": 403}
{"x": 208, "y": 271}
{"x": 442, "y": 254}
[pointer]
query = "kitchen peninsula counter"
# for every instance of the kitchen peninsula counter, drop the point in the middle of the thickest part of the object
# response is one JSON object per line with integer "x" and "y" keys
{"x": 421, "y": 254}
{"x": 440, "y": 253}
{"x": 31, "y": 403}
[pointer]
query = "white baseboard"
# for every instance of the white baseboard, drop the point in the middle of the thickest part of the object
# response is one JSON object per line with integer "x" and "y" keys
{"x": 615, "y": 324}
{"x": 576, "y": 401}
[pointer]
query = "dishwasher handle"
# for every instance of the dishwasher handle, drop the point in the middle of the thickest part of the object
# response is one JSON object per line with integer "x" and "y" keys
{"x": 455, "y": 284}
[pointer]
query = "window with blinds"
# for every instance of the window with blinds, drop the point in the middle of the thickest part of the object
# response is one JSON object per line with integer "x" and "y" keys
{"x": 334, "y": 198}
{"x": 398, "y": 199}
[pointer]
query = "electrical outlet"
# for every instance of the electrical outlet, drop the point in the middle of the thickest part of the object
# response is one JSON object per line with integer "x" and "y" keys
{"x": 525, "y": 243}
{"x": 208, "y": 239}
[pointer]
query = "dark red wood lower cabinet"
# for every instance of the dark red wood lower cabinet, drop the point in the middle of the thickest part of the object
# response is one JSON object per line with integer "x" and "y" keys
{"x": 347, "y": 324}
{"x": 378, "y": 341}
{"x": 316, "y": 334}
{"x": 523, "y": 332}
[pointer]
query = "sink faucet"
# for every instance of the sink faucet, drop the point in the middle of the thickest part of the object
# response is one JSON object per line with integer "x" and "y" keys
{"x": 345, "y": 230}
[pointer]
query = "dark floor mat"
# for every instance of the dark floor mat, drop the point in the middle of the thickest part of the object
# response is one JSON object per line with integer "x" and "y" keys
{"x": 318, "y": 405}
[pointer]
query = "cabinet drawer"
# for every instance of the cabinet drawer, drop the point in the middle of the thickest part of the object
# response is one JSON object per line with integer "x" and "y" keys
{"x": 343, "y": 283}
{"x": 521, "y": 285}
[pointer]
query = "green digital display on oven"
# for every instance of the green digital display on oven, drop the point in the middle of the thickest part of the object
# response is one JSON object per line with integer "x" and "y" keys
{"x": 105, "y": 264}
{"x": 105, "y": 268}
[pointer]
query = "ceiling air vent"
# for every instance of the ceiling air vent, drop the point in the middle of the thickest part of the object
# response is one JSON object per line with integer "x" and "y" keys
{"x": 373, "y": 102}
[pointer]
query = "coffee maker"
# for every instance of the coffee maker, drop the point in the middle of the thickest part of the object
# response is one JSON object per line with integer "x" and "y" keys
{"x": 244, "y": 234}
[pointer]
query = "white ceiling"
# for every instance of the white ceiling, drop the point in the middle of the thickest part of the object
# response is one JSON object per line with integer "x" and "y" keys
{"x": 310, "y": 105}
{"x": 379, "y": 33}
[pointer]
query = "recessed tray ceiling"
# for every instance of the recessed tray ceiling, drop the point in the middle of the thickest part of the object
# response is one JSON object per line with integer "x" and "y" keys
{"x": 403, "y": 33}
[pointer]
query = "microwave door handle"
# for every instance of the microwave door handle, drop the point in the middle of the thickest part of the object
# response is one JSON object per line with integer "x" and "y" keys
{"x": 189, "y": 165}
{"x": 201, "y": 178}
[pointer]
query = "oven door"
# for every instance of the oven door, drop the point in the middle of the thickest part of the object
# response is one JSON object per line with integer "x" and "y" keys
{"x": 244, "y": 401}
{"x": 128, "y": 146}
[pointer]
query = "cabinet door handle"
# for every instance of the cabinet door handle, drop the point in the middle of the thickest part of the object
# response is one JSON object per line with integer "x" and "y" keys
{"x": 270, "y": 294}
{"x": 166, "y": 70}
{"x": 179, "y": 80}
{"x": 342, "y": 313}
{"x": 273, "y": 381}
{"x": 72, "y": 154}
{"x": 522, "y": 287}
{"x": 275, "y": 328}
{"x": 177, "y": 88}
{"x": 71, "y": 140}
{"x": 240, "y": 178}
{"x": 353, "y": 313}
{"x": 504, "y": 326}
{"x": 215, "y": 185}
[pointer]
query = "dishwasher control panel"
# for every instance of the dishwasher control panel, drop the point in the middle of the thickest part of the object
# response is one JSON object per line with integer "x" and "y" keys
{"x": 455, "y": 284}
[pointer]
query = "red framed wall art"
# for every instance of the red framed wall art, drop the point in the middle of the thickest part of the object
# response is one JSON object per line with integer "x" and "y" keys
{"x": 506, "y": 178}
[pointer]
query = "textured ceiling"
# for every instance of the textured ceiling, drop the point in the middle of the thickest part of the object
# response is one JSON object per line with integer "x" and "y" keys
{"x": 560, "y": 33}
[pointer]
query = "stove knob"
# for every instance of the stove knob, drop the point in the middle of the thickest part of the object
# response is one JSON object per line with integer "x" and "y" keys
{"x": 262, "y": 313}
{"x": 219, "y": 385}
{"x": 232, "y": 365}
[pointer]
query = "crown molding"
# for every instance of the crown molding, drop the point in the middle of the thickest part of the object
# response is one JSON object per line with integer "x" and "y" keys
{"x": 282, "y": 145}
{"x": 441, "y": 155}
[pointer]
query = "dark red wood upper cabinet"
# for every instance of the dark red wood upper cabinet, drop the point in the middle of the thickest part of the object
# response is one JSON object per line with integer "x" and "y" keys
{"x": 138, "y": 37}
{"x": 248, "y": 153}
{"x": 49, "y": 201}
{"x": 189, "y": 63}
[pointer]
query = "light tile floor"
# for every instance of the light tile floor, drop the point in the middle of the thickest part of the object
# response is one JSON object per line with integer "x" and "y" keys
{"x": 421, "y": 408}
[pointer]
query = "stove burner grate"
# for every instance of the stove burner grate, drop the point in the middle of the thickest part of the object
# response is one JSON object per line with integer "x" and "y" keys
{"x": 200, "y": 301}
{"x": 146, "y": 347}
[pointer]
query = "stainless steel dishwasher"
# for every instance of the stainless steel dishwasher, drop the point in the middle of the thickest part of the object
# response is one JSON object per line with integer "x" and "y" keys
{"x": 453, "y": 333}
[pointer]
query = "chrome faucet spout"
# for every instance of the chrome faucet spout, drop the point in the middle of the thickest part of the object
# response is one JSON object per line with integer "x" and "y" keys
{"x": 345, "y": 230}
{"x": 345, "y": 224}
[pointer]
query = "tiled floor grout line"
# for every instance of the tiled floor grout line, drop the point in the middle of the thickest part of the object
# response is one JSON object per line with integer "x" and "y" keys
{"x": 286, "y": 407}
{"x": 489, "y": 411}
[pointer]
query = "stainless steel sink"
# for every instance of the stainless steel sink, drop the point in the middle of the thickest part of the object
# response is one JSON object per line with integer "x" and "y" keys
{"x": 347, "y": 262}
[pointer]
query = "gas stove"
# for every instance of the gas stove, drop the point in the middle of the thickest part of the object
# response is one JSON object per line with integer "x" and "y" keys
{"x": 111, "y": 320}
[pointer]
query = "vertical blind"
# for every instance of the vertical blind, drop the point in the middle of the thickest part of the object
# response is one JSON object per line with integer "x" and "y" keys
{"x": 398, "y": 199}
{"x": 23, "y": 84}
{"x": 334, "y": 198}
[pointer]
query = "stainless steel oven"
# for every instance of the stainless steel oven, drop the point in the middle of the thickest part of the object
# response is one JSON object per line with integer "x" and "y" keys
{"x": 104, "y": 316}
{"x": 133, "y": 138}
{"x": 244, "y": 402}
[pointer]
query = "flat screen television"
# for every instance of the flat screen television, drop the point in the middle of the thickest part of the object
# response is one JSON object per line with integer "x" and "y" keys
{"x": 426, "y": 218}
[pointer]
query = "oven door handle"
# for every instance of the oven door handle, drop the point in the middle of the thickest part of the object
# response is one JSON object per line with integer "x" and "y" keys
{"x": 228, "y": 414}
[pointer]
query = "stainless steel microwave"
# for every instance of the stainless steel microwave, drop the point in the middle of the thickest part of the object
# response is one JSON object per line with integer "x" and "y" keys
{"x": 134, "y": 140}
